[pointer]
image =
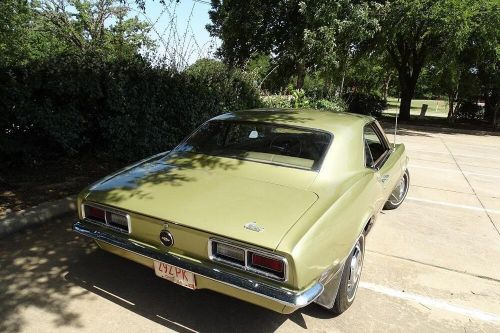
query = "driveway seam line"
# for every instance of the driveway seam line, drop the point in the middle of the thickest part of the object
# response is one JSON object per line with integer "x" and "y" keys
{"x": 449, "y": 204}
{"x": 453, "y": 191}
{"x": 472, "y": 188}
{"x": 453, "y": 170}
{"x": 436, "y": 266}
{"x": 462, "y": 155}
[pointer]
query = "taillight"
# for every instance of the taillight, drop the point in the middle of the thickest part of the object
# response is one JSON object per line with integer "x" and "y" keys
{"x": 274, "y": 265}
{"x": 95, "y": 213}
{"x": 250, "y": 259}
{"x": 108, "y": 217}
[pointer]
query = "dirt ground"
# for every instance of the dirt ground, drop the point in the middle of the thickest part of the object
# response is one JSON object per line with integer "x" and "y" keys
{"x": 22, "y": 187}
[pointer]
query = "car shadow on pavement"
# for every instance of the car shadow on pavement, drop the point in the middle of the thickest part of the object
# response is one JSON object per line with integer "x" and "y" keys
{"x": 136, "y": 288}
{"x": 52, "y": 271}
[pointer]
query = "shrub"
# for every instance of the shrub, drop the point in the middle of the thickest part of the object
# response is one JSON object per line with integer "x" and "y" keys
{"x": 363, "y": 103}
{"x": 298, "y": 100}
{"x": 337, "y": 105}
{"x": 163, "y": 106}
{"x": 277, "y": 101}
{"x": 469, "y": 111}
{"x": 125, "y": 109}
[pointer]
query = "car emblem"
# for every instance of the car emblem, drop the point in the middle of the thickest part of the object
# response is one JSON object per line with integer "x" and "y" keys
{"x": 166, "y": 238}
{"x": 253, "y": 227}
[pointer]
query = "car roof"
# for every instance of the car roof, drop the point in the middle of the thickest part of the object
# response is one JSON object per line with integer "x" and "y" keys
{"x": 333, "y": 122}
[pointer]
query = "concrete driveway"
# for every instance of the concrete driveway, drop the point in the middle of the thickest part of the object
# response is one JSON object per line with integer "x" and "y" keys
{"x": 433, "y": 265}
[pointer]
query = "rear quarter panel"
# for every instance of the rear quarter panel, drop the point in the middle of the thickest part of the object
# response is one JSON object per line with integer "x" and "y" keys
{"x": 349, "y": 196}
{"x": 325, "y": 235}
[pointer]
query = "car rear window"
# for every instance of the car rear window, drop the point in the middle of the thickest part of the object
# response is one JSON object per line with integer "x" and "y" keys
{"x": 260, "y": 142}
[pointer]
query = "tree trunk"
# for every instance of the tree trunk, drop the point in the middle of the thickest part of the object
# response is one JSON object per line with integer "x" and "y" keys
{"x": 407, "y": 84}
{"x": 301, "y": 74}
{"x": 495, "y": 118}
{"x": 342, "y": 84}
{"x": 405, "y": 106}
{"x": 491, "y": 107}
{"x": 387, "y": 82}
{"x": 326, "y": 87}
{"x": 407, "y": 76}
{"x": 450, "y": 106}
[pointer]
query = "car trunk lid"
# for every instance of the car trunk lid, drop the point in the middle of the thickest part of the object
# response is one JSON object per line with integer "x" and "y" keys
{"x": 219, "y": 198}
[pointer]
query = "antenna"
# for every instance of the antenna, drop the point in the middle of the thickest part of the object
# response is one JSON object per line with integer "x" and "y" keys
{"x": 395, "y": 129}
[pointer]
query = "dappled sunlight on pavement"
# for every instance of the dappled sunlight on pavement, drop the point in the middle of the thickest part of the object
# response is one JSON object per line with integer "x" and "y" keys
{"x": 33, "y": 266}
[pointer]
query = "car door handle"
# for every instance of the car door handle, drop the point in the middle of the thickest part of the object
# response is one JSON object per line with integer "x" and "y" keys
{"x": 383, "y": 179}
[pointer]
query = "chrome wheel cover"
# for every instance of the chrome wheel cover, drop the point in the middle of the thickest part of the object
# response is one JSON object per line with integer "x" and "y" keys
{"x": 399, "y": 192}
{"x": 355, "y": 267}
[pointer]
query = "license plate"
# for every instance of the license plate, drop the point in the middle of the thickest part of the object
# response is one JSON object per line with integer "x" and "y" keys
{"x": 175, "y": 274}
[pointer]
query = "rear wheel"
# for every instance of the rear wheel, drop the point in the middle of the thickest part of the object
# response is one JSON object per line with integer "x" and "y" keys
{"x": 350, "y": 278}
{"x": 398, "y": 195}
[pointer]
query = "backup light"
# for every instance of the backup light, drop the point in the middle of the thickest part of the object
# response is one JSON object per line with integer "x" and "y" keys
{"x": 231, "y": 253}
{"x": 118, "y": 220}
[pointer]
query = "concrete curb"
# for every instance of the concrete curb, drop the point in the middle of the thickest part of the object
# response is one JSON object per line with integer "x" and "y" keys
{"x": 39, "y": 214}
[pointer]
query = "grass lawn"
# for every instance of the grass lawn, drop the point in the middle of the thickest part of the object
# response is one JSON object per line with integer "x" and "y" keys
{"x": 437, "y": 108}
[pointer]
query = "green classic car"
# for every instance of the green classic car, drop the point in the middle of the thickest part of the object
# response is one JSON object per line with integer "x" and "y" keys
{"x": 269, "y": 206}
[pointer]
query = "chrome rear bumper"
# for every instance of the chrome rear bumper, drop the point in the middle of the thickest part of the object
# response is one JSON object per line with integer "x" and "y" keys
{"x": 288, "y": 297}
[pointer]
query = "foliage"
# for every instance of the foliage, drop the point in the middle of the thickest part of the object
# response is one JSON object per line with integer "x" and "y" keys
{"x": 103, "y": 28}
{"x": 414, "y": 31}
{"x": 469, "y": 111}
{"x": 375, "y": 47}
{"x": 277, "y": 101}
{"x": 259, "y": 67}
{"x": 299, "y": 100}
{"x": 14, "y": 15}
{"x": 126, "y": 109}
{"x": 230, "y": 89}
{"x": 75, "y": 74}
{"x": 85, "y": 84}
{"x": 336, "y": 105}
{"x": 471, "y": 73}
{"x": 363, "y": 103}
{"x": 337, "y": 35}
{"x": 301, "y": 35}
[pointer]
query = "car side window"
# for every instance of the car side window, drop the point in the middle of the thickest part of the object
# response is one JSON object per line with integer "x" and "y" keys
{"x": 374, "y": 146}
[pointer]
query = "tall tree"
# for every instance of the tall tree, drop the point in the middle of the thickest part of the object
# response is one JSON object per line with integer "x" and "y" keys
{"x": 484, "y": 45}
{"x": 300, "y": 35}
{"x": 413, "y": 31}
{"x": 470, "y": 72}
{"x": 95, "y": 26}
{"x": 338, "y": 34}
{"x": 15, "y": 17}
{"x": 248, "y": 28}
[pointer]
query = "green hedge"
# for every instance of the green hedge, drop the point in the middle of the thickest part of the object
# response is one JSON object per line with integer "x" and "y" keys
{"x": 126, "y": 110}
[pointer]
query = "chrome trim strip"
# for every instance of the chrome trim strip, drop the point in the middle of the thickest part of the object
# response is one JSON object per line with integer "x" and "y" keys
{"x": 288, "y": 297}
{"x": 247, "y": 267}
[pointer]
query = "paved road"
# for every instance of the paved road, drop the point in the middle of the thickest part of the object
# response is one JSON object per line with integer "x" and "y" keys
{"x": 433, "y": 265}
